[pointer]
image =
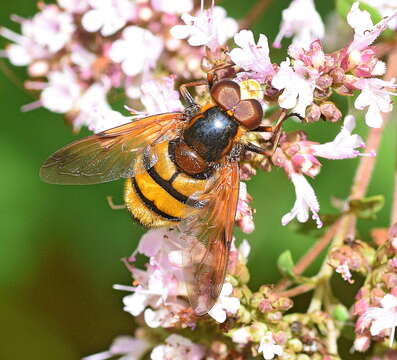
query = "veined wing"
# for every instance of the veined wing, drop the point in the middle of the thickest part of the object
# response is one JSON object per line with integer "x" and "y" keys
{"x": 111, "y": 154}
{"x": 210, "y": 233}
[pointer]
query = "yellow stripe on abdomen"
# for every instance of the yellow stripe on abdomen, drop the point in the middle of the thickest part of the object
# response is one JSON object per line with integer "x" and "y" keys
{"x": 158, "y": 196}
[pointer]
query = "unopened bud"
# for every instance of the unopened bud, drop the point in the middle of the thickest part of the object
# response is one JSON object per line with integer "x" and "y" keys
{"x": 324, "y": 82}
{"x": 313, "y": 113}
{"x": 330, "y": 111}
{"x": 338, "y": 75}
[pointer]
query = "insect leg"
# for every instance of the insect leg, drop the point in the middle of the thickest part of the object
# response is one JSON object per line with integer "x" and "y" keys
{"x": 257, "y": 149}
{"x": 112, "y": 205}
{"x": 192, "y": 108}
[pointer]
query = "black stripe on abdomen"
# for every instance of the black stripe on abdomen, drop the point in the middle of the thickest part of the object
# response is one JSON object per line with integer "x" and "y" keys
{"x": 150, "y": 204}
{"x": 167, "y": 185}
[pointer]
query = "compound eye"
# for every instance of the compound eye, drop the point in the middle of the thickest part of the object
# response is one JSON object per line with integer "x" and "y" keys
{"x": 249, "y": 113}
{"x": 226, "y": 93}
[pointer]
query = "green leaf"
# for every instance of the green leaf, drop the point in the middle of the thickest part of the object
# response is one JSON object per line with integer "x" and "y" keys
{"x": 367, "y": 208}
{"x": 286, "y": 264}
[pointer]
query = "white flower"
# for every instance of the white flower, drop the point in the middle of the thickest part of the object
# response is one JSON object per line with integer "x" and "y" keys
{"x": 242, "y": 335}
{"x": 383, "y": 318}
{"x": 244, "y": 249}
{"x": 62, "y": 92}
{"x": 224, "y": 304}
{"x": 161, "y": 284}
{"x": 211, "y": 28}
{"x": 173, "y": 6}
{"x": 269, "y": 348}
{"x": 132, "y": 348}
{"x": 375, "y": 94}
{"x": 252, "y": 57}
{"x": 74, "y": 6}
{"x": 302, "y": 21}
{"x": 159, "y": 96}
{"x": 95, "y": 112}
{"x": 50, "y": 28}
{"x": 386, "y": 8}
{"x": 365, "y": 32}
{"x": 306, "y": 201}
{"x": 244, "y": 218}
{"x": 344, "y": 270}
{"x": 177, "y": 347}
{"x": 297, "y": 84}
{"x": 138, "y": 50}
{"x": 109, "y": 16}
{"x": 162, "y": 317}
{"x": 344, "y": 145}
{"x": 46, "y": 33}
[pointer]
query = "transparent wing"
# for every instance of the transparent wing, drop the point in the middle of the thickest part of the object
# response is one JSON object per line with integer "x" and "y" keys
{"x": 111, "y": 154}
{"x": 209, "y": 231}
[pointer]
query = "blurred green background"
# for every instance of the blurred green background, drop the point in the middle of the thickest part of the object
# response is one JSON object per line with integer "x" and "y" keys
{"x": 61, "y": 246}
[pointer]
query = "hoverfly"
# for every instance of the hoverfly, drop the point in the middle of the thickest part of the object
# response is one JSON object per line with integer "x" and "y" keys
{"x": 182, "y": 169}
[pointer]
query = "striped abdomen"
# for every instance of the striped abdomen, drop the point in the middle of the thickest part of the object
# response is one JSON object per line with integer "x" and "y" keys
{"x": 158, "y": 196}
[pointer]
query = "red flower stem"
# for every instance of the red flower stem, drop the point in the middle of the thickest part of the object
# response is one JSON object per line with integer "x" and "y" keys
{"x": 301, "y": 289}
{"x": 306, "y": 260}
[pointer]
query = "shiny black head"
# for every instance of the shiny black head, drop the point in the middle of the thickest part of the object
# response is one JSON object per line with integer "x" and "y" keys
{"x": 211, "y": 134}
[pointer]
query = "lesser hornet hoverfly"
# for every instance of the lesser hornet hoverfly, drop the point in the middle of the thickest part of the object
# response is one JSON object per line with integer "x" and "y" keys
{"x": 181, "y": 168}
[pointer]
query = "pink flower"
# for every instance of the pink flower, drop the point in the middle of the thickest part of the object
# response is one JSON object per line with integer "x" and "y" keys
{"x": 269, "y": 348}
{"x": 50, "y": 28}
{"x": 24, "y": 50}
{"x": 131, "y": 348}
{"x": 302, "y": 21}
{"x": 95, "y": 112}
{"x": 344, "y": 145}
{"x": 225, "y": 304}
{"x": 138, "y": 50}
{"x": 376, "y": 96}
{"x": 108, "y": 16}
{"x": 382, "y": 318}
{"x": 161, "y": 286}
{"x": 177, "y": 347}
{"x": 210, "y": 27}
{"x": 361, "y": 343}
{"x": 297, "y": 83}
{"x": 244, "y": 214}
{"x": 252, "y": 57}
{"x": 173, "y": 6}
{"x": 74, "y": 6}
{"x": 344, "y": 270}
{"x": 160, "y": 96}
{"x": 62, "y": 92}
{"x": 306, "y": 201}
{"x": 365, "y": 32}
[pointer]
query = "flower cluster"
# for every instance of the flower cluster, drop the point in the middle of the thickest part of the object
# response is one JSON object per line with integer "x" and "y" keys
{"x": 80, "y": 54}
{"x": 376, "y": 302}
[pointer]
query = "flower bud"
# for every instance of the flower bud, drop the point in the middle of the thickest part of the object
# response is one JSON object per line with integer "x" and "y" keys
{"x": 313, "y": 113}
{"x": 330, "y": 111}
{"x": 295, "y": 344}
{"x": 338, "y": 75}
{"x": 324, "y": 82}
